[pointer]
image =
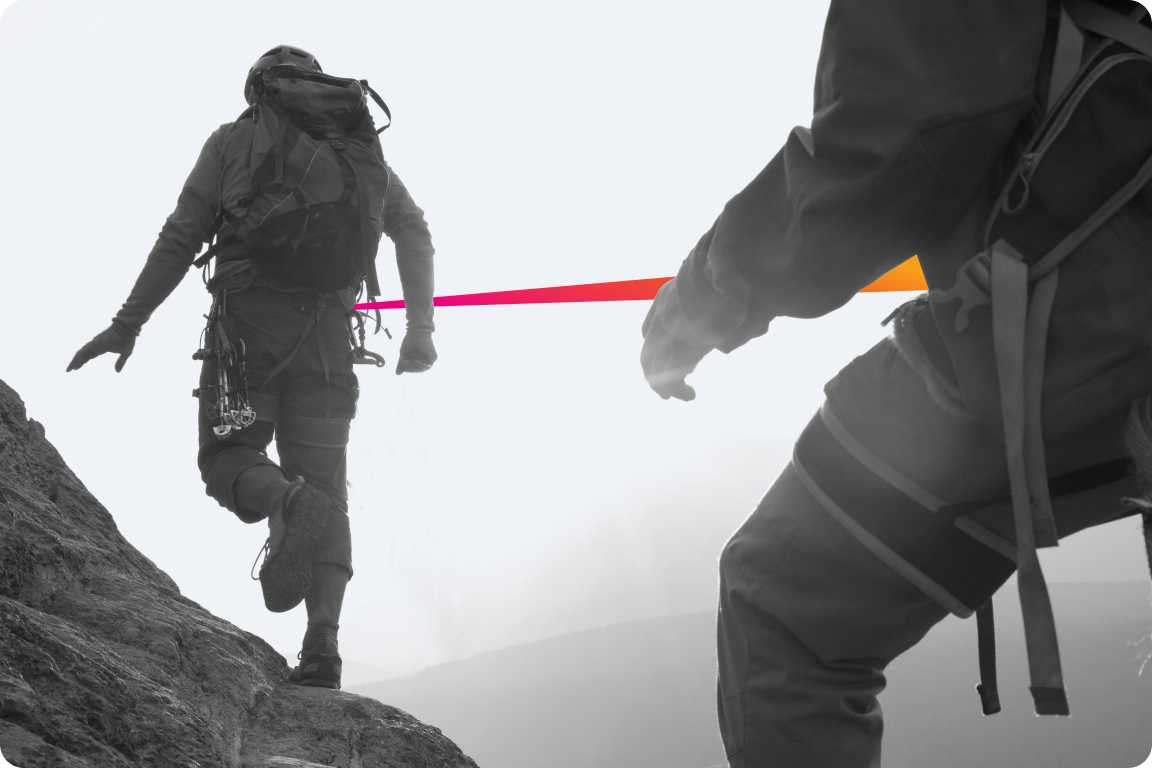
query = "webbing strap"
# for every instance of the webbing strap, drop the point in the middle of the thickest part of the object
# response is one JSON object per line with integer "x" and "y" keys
{"x": 873, "y": 544}
{"x": 1108, "y": 23}
{"x": 1035, "y": 343}
{"x": 1066, "y": 62}
{"x": 291, "y": 355}
{"x": 313, "y": 320}
{"x": 881, "y": 468}
{"x": 320, "y": 304}
{"x": 1073, "y": 241}
{"x": 1148, "y": 539}
{"x": 988, "y": 688}
{"x": 1009, "y": 314}
{"x": 379, "y": 102}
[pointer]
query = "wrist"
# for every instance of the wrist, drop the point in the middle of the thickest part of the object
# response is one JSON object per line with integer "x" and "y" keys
{"x": 125, "y": 329}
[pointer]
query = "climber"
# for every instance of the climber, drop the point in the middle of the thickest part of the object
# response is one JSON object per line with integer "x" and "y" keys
{"x": 1001, "y": 414}
{"x": 297, "y": 194}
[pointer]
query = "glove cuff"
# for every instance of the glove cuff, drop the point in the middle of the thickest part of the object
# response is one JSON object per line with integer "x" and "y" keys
{"x": 125, "y": 330}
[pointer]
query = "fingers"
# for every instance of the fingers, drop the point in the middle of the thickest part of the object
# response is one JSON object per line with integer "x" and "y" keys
{"x": 670, "y": 383}
{"x": 679, "y": 390}
{"x": 411, "y": 365}
{"x": 85, "y": 354}
{"x": 417, "y": 354}
{"x": 107, "y": 341}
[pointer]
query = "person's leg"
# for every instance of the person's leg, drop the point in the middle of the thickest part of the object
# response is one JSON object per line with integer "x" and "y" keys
{"x": 260, "y": 489}
{"x": 325, "y": 598}
{"x": 312, "y": 438}
{"x": 813, "y": 607}
{"x": 320, "y": 663}
{"x": 808, "y": 620}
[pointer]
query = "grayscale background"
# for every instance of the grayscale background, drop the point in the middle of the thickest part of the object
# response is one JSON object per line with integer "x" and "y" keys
{"x": 530, "y": 486}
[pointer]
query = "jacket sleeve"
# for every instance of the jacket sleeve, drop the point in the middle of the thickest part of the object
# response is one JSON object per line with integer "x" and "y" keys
{"x": 180, "y": 239}
{"x": 914, "y": 106}
{"x": 405, "y": 226}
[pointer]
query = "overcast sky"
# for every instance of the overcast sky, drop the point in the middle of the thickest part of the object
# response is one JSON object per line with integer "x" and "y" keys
{"x": 530, "y": 483}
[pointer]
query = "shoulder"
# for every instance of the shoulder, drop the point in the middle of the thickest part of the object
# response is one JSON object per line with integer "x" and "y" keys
{"x": 204, "y": 174}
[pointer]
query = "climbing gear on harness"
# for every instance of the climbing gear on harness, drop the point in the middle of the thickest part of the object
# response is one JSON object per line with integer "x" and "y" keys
{"x": 229, "y": 395}
{"x": 360, "y": 355}
{"x": 1046, "y": 219}
{"x": 286, "y": 572}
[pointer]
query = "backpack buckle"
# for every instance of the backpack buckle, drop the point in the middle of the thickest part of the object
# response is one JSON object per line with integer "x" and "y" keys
{"x": 973, "y": 284}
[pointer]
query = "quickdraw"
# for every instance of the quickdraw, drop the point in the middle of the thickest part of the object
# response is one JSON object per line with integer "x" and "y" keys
{"x": 220, "y": 341}
{"x": 360, "y": 355}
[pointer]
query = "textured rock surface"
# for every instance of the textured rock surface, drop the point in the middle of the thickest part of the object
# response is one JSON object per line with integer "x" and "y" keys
{"x": 104, "y": 663}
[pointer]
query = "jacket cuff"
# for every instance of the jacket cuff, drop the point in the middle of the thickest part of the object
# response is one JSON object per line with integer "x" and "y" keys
{"x": 717, "y": 309}
{"x": 417, "y": 280}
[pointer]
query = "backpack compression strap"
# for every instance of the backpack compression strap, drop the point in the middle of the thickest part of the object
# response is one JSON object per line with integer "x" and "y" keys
{"x": 379, "y": 101}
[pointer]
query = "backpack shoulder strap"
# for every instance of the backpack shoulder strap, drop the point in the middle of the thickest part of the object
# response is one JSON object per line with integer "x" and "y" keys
{"x": 215, "y": 245}
{"x": 1115, "y": 26}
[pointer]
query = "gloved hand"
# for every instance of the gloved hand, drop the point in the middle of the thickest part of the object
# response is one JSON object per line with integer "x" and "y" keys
{"x": 112, "y": 339}
{"x": 669, "y": 353}
{"x": 417, "y": 353}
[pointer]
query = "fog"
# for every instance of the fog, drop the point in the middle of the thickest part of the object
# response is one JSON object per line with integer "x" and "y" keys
{"x": 530, "y": 484}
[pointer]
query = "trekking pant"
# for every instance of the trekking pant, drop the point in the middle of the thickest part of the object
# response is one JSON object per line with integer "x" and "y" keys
{"x": 308, "y": 406}
{"x": 832, "y": 577}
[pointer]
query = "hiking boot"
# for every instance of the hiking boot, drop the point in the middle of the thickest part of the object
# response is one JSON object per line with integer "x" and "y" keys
{"x": 319, "y": 664}
{"x": 292, "y": 533}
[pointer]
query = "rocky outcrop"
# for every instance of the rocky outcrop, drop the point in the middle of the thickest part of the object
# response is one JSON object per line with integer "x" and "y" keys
{"x": 104, "y": 663}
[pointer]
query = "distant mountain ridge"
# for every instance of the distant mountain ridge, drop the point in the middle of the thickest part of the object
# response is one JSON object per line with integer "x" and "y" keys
{"x": 642, "y": 694}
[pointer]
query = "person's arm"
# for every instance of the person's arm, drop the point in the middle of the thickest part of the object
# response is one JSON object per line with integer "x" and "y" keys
{"x": 180, "y": 239}
{"x": 914, "y": 105}
{"x": 405, "y": 226}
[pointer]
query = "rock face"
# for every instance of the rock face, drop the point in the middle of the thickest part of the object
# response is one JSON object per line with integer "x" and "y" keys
{"x": 104, "y": 663}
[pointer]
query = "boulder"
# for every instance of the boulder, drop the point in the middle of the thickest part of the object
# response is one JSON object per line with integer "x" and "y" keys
{"x": 104, "y": 663}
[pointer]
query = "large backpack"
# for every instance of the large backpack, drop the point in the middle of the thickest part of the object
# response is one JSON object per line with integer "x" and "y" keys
{"x": 303, "y": 181}
{"x": 1065, "y": 270}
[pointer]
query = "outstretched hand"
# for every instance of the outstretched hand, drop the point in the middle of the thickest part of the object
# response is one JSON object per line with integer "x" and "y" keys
{"x": 111, "y": 339}
{"x": 669, "y": 353}
{"x": 417, "y": 354}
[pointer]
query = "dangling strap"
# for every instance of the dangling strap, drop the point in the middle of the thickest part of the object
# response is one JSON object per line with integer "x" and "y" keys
{"x": 280, "y": 366}
{"x": 986, "y": 641}
{"x": 1035, "y": 343}
{"x": 1148, "y": 539}
{"x": 320, "y": 305}
{"x": 313, "y": 320}
{"x": 379, "y": 102}
{"x": 1009, "y": 311}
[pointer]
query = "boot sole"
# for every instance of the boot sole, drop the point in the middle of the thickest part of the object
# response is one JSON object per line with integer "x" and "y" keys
{"x": 285, "y": 580}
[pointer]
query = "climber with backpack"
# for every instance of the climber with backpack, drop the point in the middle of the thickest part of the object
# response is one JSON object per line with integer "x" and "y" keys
{"x": 293, "y": 197}
{"x": 1009, "y": 145}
